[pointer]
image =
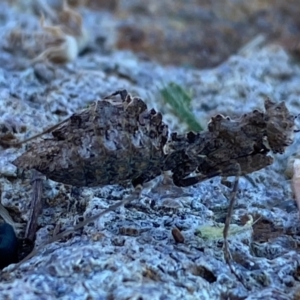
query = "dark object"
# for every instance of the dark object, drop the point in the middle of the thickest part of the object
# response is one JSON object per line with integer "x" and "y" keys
{"x": 8, "y": 245}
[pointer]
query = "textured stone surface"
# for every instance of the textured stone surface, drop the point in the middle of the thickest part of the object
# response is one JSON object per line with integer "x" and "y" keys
{"x": 130, "y": 253}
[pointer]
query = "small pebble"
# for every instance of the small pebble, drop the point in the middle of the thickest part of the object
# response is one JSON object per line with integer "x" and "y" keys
{"x": 177, "y": 235}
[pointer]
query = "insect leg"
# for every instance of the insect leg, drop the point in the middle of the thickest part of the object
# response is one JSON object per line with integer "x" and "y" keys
{"x": 227, "y": 254}
{"x": 136, "y": 193}
{"x": 36, "y": 205}
{"x": 231, "y": 168}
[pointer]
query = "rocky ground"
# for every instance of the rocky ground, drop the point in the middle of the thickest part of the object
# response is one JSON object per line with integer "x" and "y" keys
{"x": 131, "y": 253}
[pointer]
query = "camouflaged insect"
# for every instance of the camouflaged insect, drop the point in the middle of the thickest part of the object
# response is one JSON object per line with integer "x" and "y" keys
{"x": 112, "y": 141}
{"x": 118, "y": 139}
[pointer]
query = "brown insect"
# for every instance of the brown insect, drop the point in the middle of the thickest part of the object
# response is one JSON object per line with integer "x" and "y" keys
{"x": 118, "y": 139}
{"x": 112, "y": 141}
{"x": 115, "y": 140}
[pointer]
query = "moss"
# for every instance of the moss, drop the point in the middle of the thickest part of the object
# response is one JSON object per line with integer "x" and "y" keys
{"x": 180, "y": 101}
